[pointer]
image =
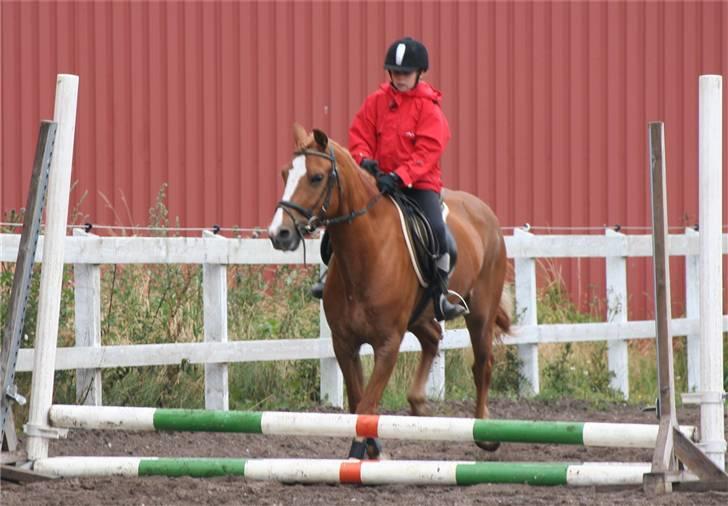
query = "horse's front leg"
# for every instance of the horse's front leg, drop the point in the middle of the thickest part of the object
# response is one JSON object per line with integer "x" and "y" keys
{"x": 350, "y": 365}
{"x": 385, "y": 358}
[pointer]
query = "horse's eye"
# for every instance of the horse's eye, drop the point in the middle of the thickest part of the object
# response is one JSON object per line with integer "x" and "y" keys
{"x": 316, "y": 178}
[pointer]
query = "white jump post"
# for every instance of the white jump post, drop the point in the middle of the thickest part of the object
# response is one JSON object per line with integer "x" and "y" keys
{"x": 87, "y": 298}
{"x": 526, "y": 315}
{"x": 712, "y": 435}
{"x": 214, "y": 297}
{"x": 617, "y": 350}
{"x": 49, "y": 303}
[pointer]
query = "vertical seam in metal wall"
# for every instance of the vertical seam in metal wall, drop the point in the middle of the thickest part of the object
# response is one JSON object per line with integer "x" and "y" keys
{"x": 219, "y": 168}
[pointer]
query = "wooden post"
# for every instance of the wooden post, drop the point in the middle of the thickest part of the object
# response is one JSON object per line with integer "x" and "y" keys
{"x": 663, "y": 460}
{"x": 526, "y": 315}
{"x": 692, "y": 311}
{"x": 214, "y": 296}
{"x": 49, "y": 303}
{"x": 617, "y": 350}
{"x": 331, "y": 379}
{"x": 87, "y": 298}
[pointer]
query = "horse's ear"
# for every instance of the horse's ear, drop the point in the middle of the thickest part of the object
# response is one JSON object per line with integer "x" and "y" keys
{"x": 321, "y": 139}
{"x": 300, "y": 136}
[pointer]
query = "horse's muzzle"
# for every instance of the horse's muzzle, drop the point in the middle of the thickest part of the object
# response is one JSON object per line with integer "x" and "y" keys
{"x": 285, "y": 239}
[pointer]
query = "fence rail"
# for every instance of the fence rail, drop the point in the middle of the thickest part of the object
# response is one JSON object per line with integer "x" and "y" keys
{"x": 86, "y": 252}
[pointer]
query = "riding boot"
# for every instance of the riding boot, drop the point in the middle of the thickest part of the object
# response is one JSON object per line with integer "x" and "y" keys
{"x": 446, "y": 310}
{"x": 317, "y": 290}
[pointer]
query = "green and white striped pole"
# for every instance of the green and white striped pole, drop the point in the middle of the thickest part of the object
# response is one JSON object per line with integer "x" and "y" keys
{"x": 365, "y": 472}
{"x": 616, "y": 435}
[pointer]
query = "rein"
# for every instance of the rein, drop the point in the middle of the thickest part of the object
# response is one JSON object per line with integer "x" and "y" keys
{"x": 316, "y": 220}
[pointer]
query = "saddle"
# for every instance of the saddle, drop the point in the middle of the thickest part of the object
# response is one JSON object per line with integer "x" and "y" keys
{"x": 419, "y": 238}
{"x": 421, "y": 242}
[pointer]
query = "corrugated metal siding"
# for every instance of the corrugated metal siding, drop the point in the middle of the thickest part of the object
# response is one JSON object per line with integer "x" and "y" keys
{"x": 548, "y": 103}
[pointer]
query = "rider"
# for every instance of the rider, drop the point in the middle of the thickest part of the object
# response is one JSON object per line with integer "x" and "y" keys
{"x": 402, "y": 131}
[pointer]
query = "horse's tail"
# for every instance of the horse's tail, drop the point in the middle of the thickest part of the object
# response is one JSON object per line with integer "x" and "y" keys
{"x": 504, "y": 312}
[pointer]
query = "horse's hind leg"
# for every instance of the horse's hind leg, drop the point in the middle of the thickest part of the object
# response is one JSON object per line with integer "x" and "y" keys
{"x": 480, "y": 327}
{"x": 429, "y": 334}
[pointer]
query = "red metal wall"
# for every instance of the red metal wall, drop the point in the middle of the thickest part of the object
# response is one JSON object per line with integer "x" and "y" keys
{"x": 548, "y": 103}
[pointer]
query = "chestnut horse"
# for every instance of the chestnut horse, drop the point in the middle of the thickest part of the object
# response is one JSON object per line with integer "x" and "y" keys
{"x": 372, "y": 289}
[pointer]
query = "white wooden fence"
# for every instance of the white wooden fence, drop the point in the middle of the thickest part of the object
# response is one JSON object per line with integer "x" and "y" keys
{"x": 86, "y": 252}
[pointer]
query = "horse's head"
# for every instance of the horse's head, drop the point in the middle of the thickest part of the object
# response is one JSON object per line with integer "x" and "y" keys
{"x": 309, "y": 184}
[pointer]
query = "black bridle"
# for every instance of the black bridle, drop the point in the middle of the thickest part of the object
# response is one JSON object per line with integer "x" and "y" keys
{"x": 319, "y": 219}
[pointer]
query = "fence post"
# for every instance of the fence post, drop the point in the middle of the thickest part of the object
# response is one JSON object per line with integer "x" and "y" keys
{"x": 617, "y": 305}
{"x": 525, "y": 272}
{"x": 87, "y": 297}
{"x": 214, "y": 296}
{"x": 435, "y": 387}
{"x": 332, "y": 381}
{"x": 692, "y": 311}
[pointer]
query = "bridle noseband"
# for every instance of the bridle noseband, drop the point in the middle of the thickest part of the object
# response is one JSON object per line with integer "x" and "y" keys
{"x": 316, "y": 220}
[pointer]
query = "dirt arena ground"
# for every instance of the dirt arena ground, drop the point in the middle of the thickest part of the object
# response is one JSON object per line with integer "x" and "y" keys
{"x": 220, "y": 491}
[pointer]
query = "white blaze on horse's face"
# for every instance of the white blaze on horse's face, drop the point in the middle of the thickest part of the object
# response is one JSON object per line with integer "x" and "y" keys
{"x": 294, "y": 177}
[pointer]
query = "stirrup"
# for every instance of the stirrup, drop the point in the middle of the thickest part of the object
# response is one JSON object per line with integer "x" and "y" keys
{"x": 317, "y": 290}
{"x": 446, "y": 310}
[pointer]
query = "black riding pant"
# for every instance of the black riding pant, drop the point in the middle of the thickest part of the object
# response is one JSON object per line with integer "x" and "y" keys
{"x": 429, "y": 202}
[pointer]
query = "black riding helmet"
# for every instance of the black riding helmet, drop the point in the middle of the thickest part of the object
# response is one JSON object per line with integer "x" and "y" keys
{"x": 406, "y": 55}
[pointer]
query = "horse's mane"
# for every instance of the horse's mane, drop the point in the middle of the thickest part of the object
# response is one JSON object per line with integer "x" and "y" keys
{"x": 365, "y": 176}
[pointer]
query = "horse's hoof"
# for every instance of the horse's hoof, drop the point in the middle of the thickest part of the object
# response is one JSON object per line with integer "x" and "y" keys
{"x": 489, "y": 446}
{"x": 374, "y": 448}
{"x": 358, "y": 449}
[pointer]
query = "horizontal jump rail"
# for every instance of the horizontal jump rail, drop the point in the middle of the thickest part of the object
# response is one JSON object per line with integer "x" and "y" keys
{"x": 353, "y": 471}
{"x": 615, "y": 435}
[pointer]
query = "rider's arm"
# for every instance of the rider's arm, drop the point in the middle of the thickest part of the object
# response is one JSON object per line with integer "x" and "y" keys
{"x": 431, "y": 136}
{"x": 363, "y": 133}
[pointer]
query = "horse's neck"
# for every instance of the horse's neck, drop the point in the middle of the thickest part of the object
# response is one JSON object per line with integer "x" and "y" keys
{"x": 357, "y": 243}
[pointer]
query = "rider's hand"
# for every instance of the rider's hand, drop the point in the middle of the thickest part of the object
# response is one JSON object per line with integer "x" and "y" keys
{"x": 369, "y": 165}
{"x": 388, "y": 183}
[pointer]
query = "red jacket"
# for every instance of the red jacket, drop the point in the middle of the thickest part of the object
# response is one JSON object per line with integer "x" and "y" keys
{"x": 405, "y": 132}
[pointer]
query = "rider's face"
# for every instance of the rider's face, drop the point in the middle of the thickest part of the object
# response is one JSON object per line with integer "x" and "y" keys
{"x": 403, "y": 81}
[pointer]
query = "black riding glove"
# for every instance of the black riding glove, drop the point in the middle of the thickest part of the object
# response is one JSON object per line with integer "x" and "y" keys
{"x": 388, "y": 182}
{"x": 369, "y": 165}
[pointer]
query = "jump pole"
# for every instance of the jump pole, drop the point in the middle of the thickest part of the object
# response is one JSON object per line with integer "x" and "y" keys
{"x": 615, "y": 435}
{"x": 368, "y": 472}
